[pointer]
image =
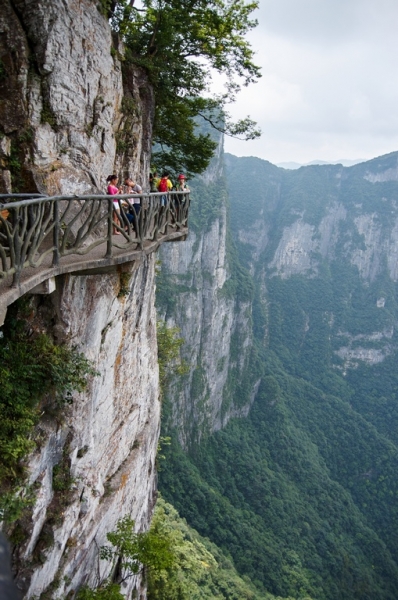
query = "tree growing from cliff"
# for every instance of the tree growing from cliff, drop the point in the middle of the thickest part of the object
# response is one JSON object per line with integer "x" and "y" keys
{"x": 181, "y": 44}
{"x": 129, "y": 554}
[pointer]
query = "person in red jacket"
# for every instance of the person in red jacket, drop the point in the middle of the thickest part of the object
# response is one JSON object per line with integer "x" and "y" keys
{"x": 164, "y": 186}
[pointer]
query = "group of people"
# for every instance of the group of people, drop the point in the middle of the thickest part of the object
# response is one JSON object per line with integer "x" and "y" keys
{"x": 133, "y": 205}
{"x": 164, "y": 184}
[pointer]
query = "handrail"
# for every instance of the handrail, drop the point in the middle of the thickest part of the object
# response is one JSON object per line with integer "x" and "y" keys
{"x": 38, "y": 230}
{"x": 38, "y": 198}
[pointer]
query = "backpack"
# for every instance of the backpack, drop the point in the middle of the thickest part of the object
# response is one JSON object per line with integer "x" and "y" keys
{"x": 162, "y": 187}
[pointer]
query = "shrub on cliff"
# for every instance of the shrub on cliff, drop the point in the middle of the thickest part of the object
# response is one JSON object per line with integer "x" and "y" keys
{"x": 169, "y": 344}
{"x": 31, "y": 367}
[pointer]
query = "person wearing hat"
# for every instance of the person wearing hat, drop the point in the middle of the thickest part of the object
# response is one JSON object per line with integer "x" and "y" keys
{"x": 179, "y": 199}
{"x": 182, "y": 185}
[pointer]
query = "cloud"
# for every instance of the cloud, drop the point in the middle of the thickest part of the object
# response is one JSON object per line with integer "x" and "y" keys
{"x": 329, "y": 87}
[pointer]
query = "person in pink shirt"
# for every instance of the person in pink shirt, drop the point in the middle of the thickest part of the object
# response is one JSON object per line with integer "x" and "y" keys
{"x": 113, "y": 190}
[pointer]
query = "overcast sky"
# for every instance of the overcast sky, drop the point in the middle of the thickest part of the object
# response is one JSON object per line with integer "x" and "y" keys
{"x": 329, "y": 86}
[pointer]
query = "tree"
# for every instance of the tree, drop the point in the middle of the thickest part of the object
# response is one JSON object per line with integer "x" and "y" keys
{"x": 181, "y": 43}
{"x": 129, "y": 554}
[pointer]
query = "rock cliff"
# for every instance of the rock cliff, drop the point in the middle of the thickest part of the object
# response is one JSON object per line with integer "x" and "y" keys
{"x": 286, "y": 225}
{"x": 106, "y": 441}
{"x": 65, "y": 108}
{"x": 214, "y": 322}
{"x": 70, "y": 114}
{"x": 328, "y": 223}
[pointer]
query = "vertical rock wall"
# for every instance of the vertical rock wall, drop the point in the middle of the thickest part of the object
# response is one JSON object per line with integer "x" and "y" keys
{"x": 71, "y": 113}
{"x": 215, "y": 326}
{"x": 64, "y": 104}
{"x": 108, "y": 437}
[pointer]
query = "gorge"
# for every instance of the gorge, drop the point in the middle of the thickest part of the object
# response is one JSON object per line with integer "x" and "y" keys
{"x": 283, "y": 427}
{"x": 302, "y": 492}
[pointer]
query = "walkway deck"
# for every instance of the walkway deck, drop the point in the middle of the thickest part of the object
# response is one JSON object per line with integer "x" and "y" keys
{"x": 41, "y": 238}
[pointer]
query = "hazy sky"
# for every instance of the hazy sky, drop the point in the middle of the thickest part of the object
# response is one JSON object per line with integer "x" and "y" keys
{"x": 329, "y": 86}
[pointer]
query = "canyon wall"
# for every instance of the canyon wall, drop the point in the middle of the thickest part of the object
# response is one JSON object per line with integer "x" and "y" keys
{"x": 280, "y": 226}
{"x": 65, "y": 104}
{"x": 106, "y": 442}
{"x": 328, "y": 223}
{"x": 215, "y": 322}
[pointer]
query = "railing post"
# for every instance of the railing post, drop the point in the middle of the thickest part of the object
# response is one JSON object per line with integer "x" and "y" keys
{"x": 16, "y": 249}
{"x": 56, "y": 234}
{"x": 110, "y": 229}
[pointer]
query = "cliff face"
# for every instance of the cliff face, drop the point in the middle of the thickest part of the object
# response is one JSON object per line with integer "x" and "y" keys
{"x": 107, "y": 440}
{"x": 318, "y": 213}
{"x": 215, "y": 325}
{"x": 63, "y": 102}
{"x": 68, "y": 118}
{"x": 328, "y": 223}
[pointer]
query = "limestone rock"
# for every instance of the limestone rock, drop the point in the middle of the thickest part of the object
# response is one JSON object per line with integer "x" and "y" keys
{"x": 109, "y": 435}
{"x": 61, "y": 100}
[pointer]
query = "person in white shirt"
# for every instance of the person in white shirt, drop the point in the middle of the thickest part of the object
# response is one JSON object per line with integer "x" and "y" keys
{"x": 131, "y": 187}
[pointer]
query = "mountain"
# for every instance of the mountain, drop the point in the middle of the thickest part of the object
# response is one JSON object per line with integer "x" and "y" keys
{"x": 342, "y": 161}
{"x": 300, "y": 490}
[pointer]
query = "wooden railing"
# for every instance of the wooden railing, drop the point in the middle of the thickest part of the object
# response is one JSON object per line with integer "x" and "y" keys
{"x": 37, "y": 230}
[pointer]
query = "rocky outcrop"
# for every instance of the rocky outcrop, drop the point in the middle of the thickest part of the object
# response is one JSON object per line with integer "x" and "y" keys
{"x": 293, "y": 254}
{"x": 370, "y": 349}
{"x": 64, "y": 104}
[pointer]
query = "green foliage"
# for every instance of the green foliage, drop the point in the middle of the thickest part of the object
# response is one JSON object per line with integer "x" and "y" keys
{"x": 19, "y": 150}
{"x": 169, "y": 360}
{"x": 62, "y": 479}
{"x": 200, "y": 569}
{"x": 261, "y": 491}
{"x": 124, "y": 289}
{"x": 15, "y": 165}
{"x": 163, "y": 441}
{"x": 14, "y": 502}
{"x": 47, "y": 115}
{"x": 31, "y": 367}
{"x": 133, "y": 553}
{"x": 107, "y": 591}
{"x": 104, "y": 7}
{"x": 133, "y": 550}
{"x": 179, "y": 44}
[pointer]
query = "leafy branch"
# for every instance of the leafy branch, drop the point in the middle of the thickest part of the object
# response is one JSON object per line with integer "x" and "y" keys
{"x": 181, "y": 45}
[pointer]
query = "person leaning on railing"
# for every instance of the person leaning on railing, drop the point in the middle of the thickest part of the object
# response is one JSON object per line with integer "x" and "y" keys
{"x": 131, "y": 187}
{"x": 182, "y": 184}
{"x": 165, "y": 185}
{"x": 153, "y": 182}
{"x": 180, "y": 198}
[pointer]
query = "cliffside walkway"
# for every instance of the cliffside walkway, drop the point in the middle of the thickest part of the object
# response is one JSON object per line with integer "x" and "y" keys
{"x": 42, "y": 236}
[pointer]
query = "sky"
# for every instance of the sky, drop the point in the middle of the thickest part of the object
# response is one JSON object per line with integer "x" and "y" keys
{"x": 329, "y": 86}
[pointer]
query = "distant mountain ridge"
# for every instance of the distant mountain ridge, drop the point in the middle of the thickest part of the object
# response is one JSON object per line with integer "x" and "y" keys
{"x": 343, "y": 161}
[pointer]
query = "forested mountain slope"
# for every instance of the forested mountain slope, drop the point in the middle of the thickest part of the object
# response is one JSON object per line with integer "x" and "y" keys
{"x": 303, "y": 492}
